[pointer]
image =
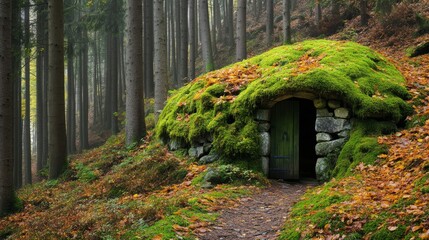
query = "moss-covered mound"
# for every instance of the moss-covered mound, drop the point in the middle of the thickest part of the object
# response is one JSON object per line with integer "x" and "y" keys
{"x": 222, "y": 103}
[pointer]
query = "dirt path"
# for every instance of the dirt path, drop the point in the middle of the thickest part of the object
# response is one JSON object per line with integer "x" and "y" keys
{"x": 260, "y": 216}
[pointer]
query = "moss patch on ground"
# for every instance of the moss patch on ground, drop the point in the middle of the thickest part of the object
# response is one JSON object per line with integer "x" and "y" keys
{"x": 223, "y": 103}
{"x": 116, "y": 192}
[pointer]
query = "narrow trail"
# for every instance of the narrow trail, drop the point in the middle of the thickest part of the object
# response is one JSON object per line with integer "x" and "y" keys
{"x": 259, "y": 216}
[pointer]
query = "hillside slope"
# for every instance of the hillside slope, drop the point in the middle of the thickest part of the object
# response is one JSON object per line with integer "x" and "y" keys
{"x": 114, "y": 192}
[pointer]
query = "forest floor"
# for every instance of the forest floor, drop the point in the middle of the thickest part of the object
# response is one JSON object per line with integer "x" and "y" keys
{"x": 114, "y": 192}
{"x": 259, "y": 216}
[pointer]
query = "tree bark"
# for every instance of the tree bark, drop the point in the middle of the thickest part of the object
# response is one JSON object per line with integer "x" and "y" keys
{"x": 286, "y": 22}
{"x": 335, "y": 9}
{"x": 148, "y": 49}
{"x": 57, "y": 128}
{"x": 71, "y": 104}
{"x": 364, "y": 17}
{"x": 160, "y": 60}
{"x": 71, "y": 93}
{"x": 114, "y": 128}
{"x": 135, "y": 127}
{"x": 192, "y": 40}
{"x": 270, "y": 22}
{"x": 45, "y": 88}
{"x": 6, "y": 109}
{"x": 27, "y": 130}
{"x": 108, "y": 82}
{"x": 318, "y": 14}
{"x": 39, "y": 86}
{"x": 16, "y": 76}
{"x": 230, "y": 24}
{"x": 241, "y": 50}
{"x": 84, "y": 92}
{"x": 183, "y": 50}
{"x": 178, "y": 39}
{"x": 205, "y": 36}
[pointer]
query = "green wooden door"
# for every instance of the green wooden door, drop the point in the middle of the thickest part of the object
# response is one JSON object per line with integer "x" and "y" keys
{"x": 284, "y": 161}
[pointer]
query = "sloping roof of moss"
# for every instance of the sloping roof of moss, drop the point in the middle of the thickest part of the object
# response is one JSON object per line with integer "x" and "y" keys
{"x": 223, "y": 102}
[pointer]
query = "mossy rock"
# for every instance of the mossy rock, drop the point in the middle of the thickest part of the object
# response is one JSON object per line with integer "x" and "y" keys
{"x": 223, "y": 103}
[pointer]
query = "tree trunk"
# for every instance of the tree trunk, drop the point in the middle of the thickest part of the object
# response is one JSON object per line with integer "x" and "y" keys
{"x": 121, "y": 74}
{"x": 114, "y": 128}
{"x": 217, "y": 19}
{"x": 95, "y": 85}
{"x": 108, "y": 82}
{"x": 241, "y": 50}
{"x": 192, "y": 40}
{"x": 259, "y": 8}
{"x": 183, "y": 50}
{"x": 335, "y": 9}
{"x": 71, "y": 104}
{"x": 16, "y": 76}
{"x": 205, "y": 36}
{"x": 160, "y": 60}
{"x": 135, "y": 128}
{"x": 148, "y": 49}
{"x": 84, "y": 92}
{"x": 39, "y": 86}
{"x": 6, "y": 109}
{"x": 364, "y": 17}
{"x": 318, "y": 14}
{"x": 270, "y": 23}
{"x": 57, "y": 128}
{"x": 230, "y": 24}
{"x": 172, "y": 42}
{"x": 71, "y": 93}
{"x": 286, "y": 22}
{"x": 45, "y": 89}
{"x": 178, "y": 43}
{"x": 27, "y": 130}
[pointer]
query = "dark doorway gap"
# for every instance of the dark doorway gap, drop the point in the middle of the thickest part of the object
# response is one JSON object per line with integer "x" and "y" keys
{"x": 307, "y": 140}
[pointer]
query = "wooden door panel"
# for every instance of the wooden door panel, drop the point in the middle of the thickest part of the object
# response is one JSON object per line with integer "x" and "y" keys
{"x": 284, "y": 161}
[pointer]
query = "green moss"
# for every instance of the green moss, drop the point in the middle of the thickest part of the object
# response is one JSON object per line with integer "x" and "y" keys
{"x": 372, "y": 225}
{"x": 353, "y": 236}
{"x": 357, "y": 75}
{"x": 312, "y": 209}
{"x": 362, "y": 145}
{"x": 84, "y": 173}
{"x": 384, "y": 233}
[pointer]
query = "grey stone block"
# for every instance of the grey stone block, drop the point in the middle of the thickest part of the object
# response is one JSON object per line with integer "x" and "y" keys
{"x": 342, "y": 113}
{"x": 322, "y": 169}
{"x": 263, "y": 115}
{"x": 265, "y": 165}
{"x": 330, "y": 124}
{"x": 319, "y": 103}
{"x": 265, "y": 143}
{"x": 344, "y": 134}
{"x": 264, "y": 127}
{"x": 324, "y": 148}
{"x": 323, "y": 137}
{"x": 192, "y": 152}
{"x": 334, "y": 104}
{"x": 324, "y": 112}
{"x": 200, "y": 151}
